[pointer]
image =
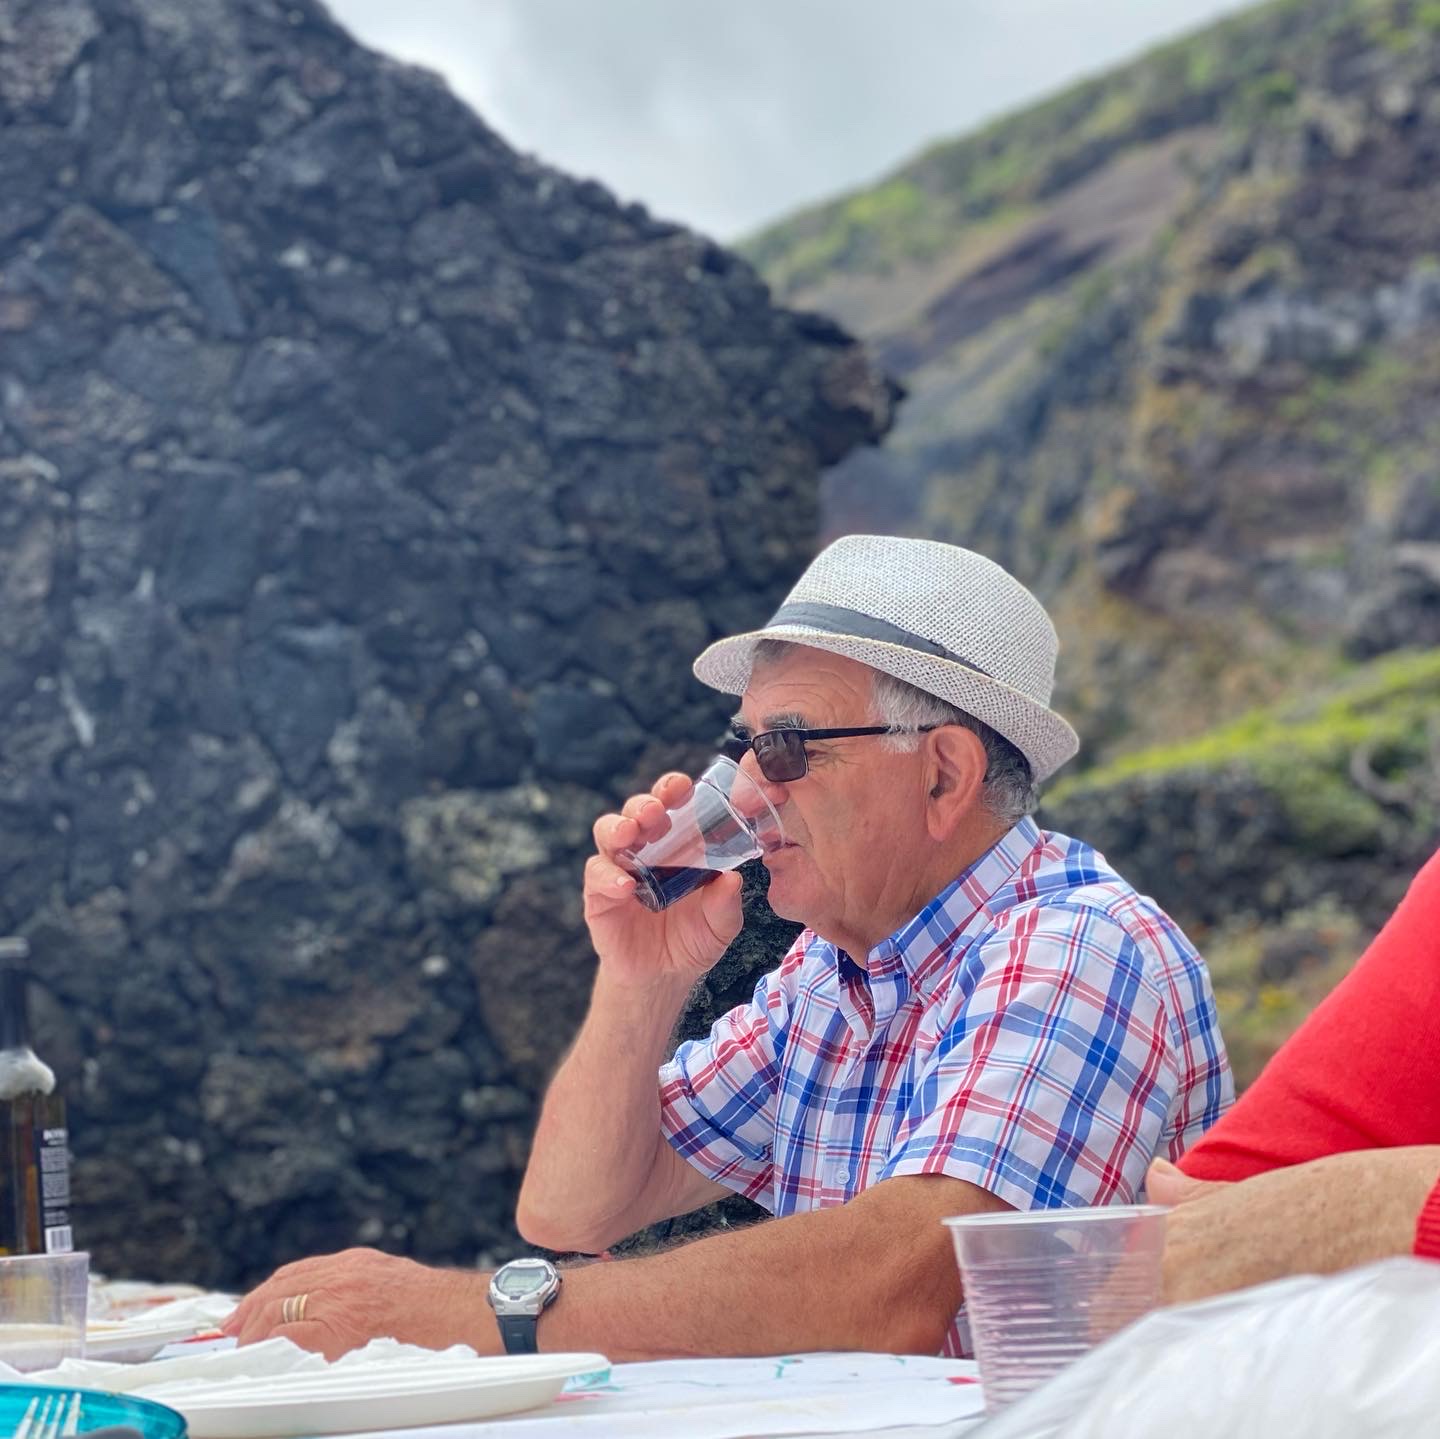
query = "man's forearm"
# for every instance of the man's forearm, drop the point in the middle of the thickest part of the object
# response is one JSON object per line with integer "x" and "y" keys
{"x": 878, "y": 1273}
{"x": 1316, "y": 1218}
{"x": 595, "y": 1145}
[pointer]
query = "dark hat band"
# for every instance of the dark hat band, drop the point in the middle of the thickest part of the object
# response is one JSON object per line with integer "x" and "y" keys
{"x": 837, "y": 620}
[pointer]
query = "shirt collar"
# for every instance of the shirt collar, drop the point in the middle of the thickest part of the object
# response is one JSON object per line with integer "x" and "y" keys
{"x": 918, "y": 942}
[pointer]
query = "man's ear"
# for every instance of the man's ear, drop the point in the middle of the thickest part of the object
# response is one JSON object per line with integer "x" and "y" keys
{"x": 954, "y": 777}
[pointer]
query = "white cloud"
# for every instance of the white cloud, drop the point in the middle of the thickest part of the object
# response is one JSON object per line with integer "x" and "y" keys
{"x": 727, "y": 116}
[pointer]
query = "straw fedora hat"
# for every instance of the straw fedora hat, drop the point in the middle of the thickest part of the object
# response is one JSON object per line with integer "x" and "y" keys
{"x": 942, "y": 618}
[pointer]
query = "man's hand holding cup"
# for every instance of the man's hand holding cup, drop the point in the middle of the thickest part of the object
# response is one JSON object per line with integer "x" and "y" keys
{"x": 661, "y": 894}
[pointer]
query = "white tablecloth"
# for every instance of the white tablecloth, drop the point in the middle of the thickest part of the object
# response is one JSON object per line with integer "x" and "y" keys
{"x": 899, "y": 1397}
{"x": 814, "y": 1394}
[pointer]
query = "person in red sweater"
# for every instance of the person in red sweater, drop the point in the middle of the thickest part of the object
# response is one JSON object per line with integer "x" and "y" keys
{"x": 1332, "y": 1157}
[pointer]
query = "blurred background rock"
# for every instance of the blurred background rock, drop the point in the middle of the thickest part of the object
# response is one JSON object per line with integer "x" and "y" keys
{"x": 366, "y": 487}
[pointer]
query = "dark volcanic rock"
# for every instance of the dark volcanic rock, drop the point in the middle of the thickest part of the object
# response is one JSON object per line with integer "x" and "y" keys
{"x": 365, "y": 489}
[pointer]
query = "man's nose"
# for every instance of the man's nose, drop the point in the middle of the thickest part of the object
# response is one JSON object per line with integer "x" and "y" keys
{"x": 750, "y": 767}
{"x": 777, "y": 794}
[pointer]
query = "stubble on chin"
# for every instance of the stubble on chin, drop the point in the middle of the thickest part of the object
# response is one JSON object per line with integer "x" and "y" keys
{"x": 781, "y": 887}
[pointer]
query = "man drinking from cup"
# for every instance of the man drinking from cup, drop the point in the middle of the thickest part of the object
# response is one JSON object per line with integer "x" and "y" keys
{"x": 978, "y": 1015}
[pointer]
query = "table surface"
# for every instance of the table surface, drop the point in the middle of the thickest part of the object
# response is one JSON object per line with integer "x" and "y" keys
{"x": 898, "y": 1397}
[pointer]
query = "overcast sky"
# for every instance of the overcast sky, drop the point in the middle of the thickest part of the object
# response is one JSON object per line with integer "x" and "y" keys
{"x": 730, "y": 115}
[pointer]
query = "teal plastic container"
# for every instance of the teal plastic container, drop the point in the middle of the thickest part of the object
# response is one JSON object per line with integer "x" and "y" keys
{"x": 98, "y": 1410}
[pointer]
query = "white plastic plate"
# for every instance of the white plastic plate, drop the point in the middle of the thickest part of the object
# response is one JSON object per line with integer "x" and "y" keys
{"x": 394, "y": 1395}
{"x": 134, "y": 1342}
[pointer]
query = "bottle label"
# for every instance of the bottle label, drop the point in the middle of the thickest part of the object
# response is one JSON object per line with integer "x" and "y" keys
{"x": 53, "y": 1161}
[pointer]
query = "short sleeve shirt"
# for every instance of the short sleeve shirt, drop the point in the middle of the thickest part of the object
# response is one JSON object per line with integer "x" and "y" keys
{"x": 1039, "y": 1029}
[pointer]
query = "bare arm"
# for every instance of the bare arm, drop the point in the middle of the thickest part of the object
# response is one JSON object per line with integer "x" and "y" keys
{"x": 877, "y": 1273}
{"x": 1316, "y": 1218}
{"x": 599, "y": 1167}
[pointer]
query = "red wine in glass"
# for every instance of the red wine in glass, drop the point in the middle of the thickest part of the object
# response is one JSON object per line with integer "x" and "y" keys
{"x": 663, "y": 885}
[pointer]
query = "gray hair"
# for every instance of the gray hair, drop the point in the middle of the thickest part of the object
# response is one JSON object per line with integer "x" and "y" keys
{"x": 1009, "y": 793}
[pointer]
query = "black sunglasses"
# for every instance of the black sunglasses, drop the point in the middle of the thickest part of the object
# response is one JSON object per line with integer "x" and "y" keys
{"x": 781, "y": 755}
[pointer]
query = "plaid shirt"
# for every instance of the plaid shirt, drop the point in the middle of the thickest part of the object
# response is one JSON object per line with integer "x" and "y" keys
{"x": 1039, "y": 1029}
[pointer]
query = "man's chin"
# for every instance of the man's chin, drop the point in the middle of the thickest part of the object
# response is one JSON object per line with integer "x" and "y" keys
{"x": 780, "y": 865}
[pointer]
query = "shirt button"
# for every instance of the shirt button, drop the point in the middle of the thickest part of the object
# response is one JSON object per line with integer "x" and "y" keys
{"x": 842, "y": 1176}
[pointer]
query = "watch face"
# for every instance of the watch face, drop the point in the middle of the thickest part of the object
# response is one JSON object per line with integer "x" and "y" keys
{"x": 519, "y": 1293}
{"x": 517, "y": 1283}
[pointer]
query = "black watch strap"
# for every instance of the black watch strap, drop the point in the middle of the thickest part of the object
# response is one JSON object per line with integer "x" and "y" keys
{"x": 517, "y": 1333}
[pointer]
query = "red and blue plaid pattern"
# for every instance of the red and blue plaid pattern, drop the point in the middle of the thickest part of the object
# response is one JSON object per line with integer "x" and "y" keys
{"x": 1039, "y": 1029}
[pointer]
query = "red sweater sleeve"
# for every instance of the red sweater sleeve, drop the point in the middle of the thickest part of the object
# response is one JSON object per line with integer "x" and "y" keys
{"x": 1427, "y": 1227}
{"x": 1363, "y": 1072}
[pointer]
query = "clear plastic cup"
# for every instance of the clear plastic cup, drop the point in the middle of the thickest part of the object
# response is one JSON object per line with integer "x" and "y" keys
{"x": 43, "y": 1299}
{"x": 726, "y": 821}
{"x": 1045, "y": 1286}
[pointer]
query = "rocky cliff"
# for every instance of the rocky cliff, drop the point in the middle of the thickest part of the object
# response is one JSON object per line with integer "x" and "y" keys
{"x": 365, "y": 488}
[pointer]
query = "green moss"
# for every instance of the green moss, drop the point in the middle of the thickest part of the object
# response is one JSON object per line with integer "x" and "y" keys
{"x": 808, "y": 259}
{"x": 875, "y": 228}
{"x": 959, "y": 181}
{"x": 1384, "y": 475}
{"x": 1353, "y": 406}
{"x": 1268, "y": 978}
{"x": 1393, "y": 32}
{"x": 1086, "y": 297}
{"x": 1204, "y": 63}
{"x": 1245, "y": 70}
{"x": 1382, "y": 378}
{"x": 1275, "y": 264}
{"x": 998, "y": 176}
{"x": 1301, "y": 752}
{"x": 1116, "y": 114}
{"x": 1387, "y": 694}
{"x": 1266, "y": 94}
{"x": 1329, "y": 813}
{"x": 896, "y": 204}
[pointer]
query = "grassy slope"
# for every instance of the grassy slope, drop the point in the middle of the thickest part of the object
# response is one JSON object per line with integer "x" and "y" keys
{"x": 1350, "y": 780}
{"x": 1302, "y": 751}
{"x": 1237, "y": 70}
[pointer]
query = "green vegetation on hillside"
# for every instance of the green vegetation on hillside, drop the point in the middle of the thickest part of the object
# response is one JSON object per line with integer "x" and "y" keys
{"x": 896, "y": 218}
{"x": 1352, "y": 775}
{"x": 1231, "y": 73}
{"x": 1267, "y": 978}
{"x": 1385, "y": 716}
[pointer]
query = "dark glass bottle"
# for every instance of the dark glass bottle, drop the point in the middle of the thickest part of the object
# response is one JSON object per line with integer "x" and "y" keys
{"x": 34, "y": 1144}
